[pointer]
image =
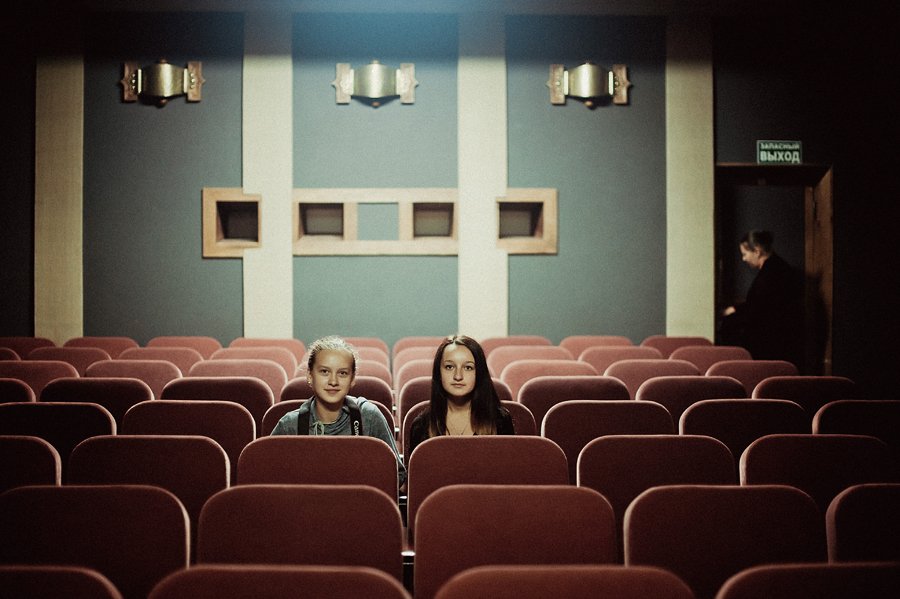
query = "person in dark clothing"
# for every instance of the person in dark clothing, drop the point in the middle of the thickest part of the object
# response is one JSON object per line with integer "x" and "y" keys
{"x": 769, "y": 323}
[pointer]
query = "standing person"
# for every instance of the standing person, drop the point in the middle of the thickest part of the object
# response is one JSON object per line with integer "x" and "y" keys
{"x": 331, "y": 370}
{"x": 769, "y": 323}
{"x": 463, "y": 399}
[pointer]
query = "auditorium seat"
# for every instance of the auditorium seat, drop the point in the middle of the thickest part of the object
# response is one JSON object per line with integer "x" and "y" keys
{"x": 331, "y": 525}
{"x": 203, "y": 344}
{"x": 63, "y": 425}
{"x": 50, "y": 582}
{"x": 677, "y": 393}
{"x": 15, "y": 390}
{"x": 573, "y": 424}
{"x": 751, "y": 372}
{"x": 23, "y": 345}
{"x": 412, "y": 353}
{"x": 621, "y": 467}
{"x": 739, "y": 422}
{"x": 416, "y": 391}
{"x": 373, "y": 368}
{"x": 518, "y": 373}
{"x": 295, "y": 346}
{"x": 374, "y": 353}
{"x": 602, "y": 357}
{"x": 634, "y": 372}
{"x": 666, "y": 344}
{"x": 820, "y": 465}
{"x": 251, "y": 392}
{"x": 111, "y": 344}
{"x": 268, "y": 371}
{"x": 8, "y": 354}
{"x": 464, "y": 526}
{"x": 432, "y": 341}
{"x": 523, "y": 420}
{"x": 227, "y": 423}
{"x": 304, "y": 459}
{"x": 36, "y": 373}
{"x": 506, "y": 354}
{"x": 79, "y": 357}
{"x": 280, "y": 355}
{"x": 156, "y": 373}
{"x": 240, "y": 581}
{"x": 193, "y": 468}
{"x": 134, "y": 535}
{"x": 814, "y": 581}
{"x": 182, "y": 357}
{"x": 490, "y": 343}
{"x": 275, "y": 413}
{"x": 28, "y": 460}
{"x": 573, "y": 581}
{"x": 542, "y": 393}
{"x": 370, "y": 387}
{"x": 578, "y": 343}
{"x": 862, "y": 523}
{"x": 116, "y": 394}
{"x": 704, "y": 534}
{"x": 495, "y": 459}
{"x": 811, "y": 392}
{"x": 704, "y": 356}
{"x": 876, "y": 418}
{"x": 375, "y": 342}
{"x": 413, "y": 369}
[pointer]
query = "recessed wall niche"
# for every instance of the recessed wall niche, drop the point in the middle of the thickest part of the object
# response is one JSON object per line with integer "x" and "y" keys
{"x": 527, "y": 221}
{"x": 231, "y": 222}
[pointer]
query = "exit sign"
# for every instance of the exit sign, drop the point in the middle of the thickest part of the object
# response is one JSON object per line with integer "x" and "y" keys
{"x": 774, "y": 151}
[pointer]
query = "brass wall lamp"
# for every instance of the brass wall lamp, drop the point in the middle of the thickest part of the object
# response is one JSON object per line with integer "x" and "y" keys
{"x": 159, "y": 82}
{"x": 589, "y": 82}
{"x": 375, "y": 83}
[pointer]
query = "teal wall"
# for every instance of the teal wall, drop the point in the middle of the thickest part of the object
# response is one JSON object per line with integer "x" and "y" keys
{"x": 394, "y": 145}
{"x": 608, "y": 165}
{"x": 144, "y": 169}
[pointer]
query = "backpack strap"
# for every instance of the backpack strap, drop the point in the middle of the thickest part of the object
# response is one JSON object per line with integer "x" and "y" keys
{"x": 356, "y": 428}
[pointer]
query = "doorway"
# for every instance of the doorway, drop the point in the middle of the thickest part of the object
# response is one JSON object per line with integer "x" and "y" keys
{"x": 796, "y": 203}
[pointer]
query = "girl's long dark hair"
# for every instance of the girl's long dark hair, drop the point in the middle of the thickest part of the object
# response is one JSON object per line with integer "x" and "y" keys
{"x": 484, "y": 401}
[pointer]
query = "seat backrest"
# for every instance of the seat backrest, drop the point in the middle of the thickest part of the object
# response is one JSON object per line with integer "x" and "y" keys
{"x": 814, "y": 581}
{"x": 601, "y": 357}
{"x": 237, "y": 581}
{"x": 578, "y": 343}
{"x": 79, "y": 357}
{"x": 133, "y": 534}
{"x": 811, "y": 392}
{"x": 376, "y": 342}
{"x": 704, "y": 534}
{"x": 112, "y": 344}
{"x": 416, "y": 352}
{"x": 621, "y": 467}
{"x": 373, "y": 389}
{"x": 505, "y": 354}
{"x": 677, "y": 393}
{"x": 523, "y": 419}
{"x": 739, "y": 422}
{"x": 704, "y": 356}
{"x": 63, "y": 425}
{"x": 633, "y": 373}
{"x": 227, "y": 423}
{"x": 28, "y": 460}
{"x": 203, "y": 344}
{"x": 751, "y": 372}
{"x": 862, "y": 523}
{"x": 820, "y": 465}
{"x": 251, "y": 392}
{"x": 13, "y": 390}
{"x": 304, "y": 459}
{"x": 491, "y": 343}
{"x": 280, "y": 355}
{"x": 666, "y": 344}
{"x": 464, "y": 526}
{"x": 36, "y": 373}
{"x": 156, "y": 373}
{"x": 543, "y": 392}
{"x": 268, "y": 371}
{"x": 182, "y": 357}
{"x": 416, "y": 391}
{"x": 431, "y": 341}
{"x": 413, "y": 369}
{"x": 193, "y": 468}
{"x": 23, "y": 345}
{"x": 517, "y": 373}
{"x": 374, "y": 353}
{"x": 334, "y": 525}
{"x": 45, "y": 582}
{"x": 573, "y": 581}
{"x": 8, "y": 354}
{"x": 876, "y": 418}
{"x": 116, "y": 394}
{"x": 295, "y": 346}
{"x": 373, "y": 368}
{"x": 494, "y": 459}
{"x": 573, "y": 424}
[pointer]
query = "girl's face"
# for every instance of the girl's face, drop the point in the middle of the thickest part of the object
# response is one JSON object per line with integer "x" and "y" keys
{"x": 331, "y": 375}
{"x": 458, "y": 370}
{"x": 750, "y": 257}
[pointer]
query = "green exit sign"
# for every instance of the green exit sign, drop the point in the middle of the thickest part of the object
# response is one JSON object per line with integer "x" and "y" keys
{"x": 775, "y": 151}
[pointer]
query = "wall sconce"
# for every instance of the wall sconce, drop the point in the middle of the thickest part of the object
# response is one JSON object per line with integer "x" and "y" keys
{"x": 588, "y": 82}
{"x": 374, "y": 83}
{"x": 159, "y": 82}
